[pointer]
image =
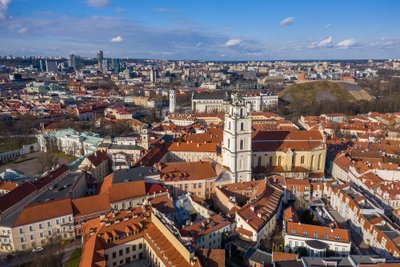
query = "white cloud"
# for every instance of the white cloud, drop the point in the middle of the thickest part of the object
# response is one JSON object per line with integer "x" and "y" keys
{"x": 326, "y": 42}
{"x": 287, "y": 21}
{"x": 347, "y": 43}
{"x": 3, "y": 9}
{"x": 117, "y": 39}
{"x": 199, "y": 44}
{"x": 98, "y": 3}
{"x": 328, "y": 25}
{"x": 22, "y": 30}
{"x": 233, "y": 42}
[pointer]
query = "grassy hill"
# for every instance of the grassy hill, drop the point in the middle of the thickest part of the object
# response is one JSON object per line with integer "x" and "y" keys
{"x": 317, "y": 97}
{"x": 318, "y": 91}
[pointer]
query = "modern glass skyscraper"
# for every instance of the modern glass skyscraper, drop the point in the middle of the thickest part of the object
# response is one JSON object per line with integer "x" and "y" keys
{"x": 99, "y": 59}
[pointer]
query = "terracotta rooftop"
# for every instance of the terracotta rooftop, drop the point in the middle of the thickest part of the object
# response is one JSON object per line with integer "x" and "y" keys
{"x": 163, "y": 204}
{"x": 129, "y": 190}
{"x": 318, "y": 232}
{"x": 44, "y": 211}
{"x": 205, "y": 226}
{"x": 90, "y": 204}
{"x": 7, "y": 186}
{"x": 211, "y": 257}
{"x": 258, "y": 212}
{"x": 98, "y": 157}
{"x": 186, "y": 171}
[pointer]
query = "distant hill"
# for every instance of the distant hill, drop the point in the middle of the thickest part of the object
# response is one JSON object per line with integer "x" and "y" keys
{"x": 316, "y": 97}
{"x": 316, "y": 92}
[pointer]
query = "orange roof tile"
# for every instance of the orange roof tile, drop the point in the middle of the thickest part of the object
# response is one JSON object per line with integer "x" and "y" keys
{"x": 44, "y": 211}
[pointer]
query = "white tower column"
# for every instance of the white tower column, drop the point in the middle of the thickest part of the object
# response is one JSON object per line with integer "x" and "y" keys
{"x": 172, "y": 101}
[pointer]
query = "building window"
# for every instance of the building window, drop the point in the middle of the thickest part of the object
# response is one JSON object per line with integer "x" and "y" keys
{"x": 229, "y": 143}
{"x": 21, "y": 230}
{"x": 140, "y": 246}
{"x": 120, "y": 252}
{"x": 259, "y": 161}
{"x": 279, "y": 161}
{"x": 312, "y": 162}
{"x": 241, "y": 144}
{"x": 242, "y": 126}
{"x": 31, "y": 228}
{"x": 319, "y": 161}
{"x": 302, "y": 160}
{"x": 229, "y": 125}
{"x": 134, "y": 248}
{"x": 127, "y": 250}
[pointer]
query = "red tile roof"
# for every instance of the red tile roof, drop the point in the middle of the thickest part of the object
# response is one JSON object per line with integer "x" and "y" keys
{"x": 16, "y": 195}
{"x": 44, "y": 211}
{"x": 124, "y": 191}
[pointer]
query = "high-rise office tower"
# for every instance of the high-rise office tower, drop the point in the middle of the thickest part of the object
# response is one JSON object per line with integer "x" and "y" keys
{"x": 99, "y": 59}
{"x": 51, "y": 66}
{"x": 104, "y": 65}
{"x": 153, "y": 75}
{"x": 74, "y": 62}
{"x": 116, "y": 65}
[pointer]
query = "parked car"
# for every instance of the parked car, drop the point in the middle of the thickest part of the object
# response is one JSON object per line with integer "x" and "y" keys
{"x": 37, "y": 249}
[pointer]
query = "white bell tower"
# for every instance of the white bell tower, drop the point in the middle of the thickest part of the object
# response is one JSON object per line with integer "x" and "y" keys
{"x": 172, "y": 101}
{"x": 236, "y": 147}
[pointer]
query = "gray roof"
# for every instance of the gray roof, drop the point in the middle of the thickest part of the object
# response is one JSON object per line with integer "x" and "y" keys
{"x": 61, "y": 190}
{"x": 290, "y": 263}
{"x": 125, "y": 147}
{"x": 218, "y": 95}
{"x": 346, "y": 261}
{"x": 134, "y": 174}
{"x": 259, "y": 256}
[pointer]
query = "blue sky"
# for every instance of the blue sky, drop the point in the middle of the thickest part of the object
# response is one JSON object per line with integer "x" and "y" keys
{"x": 204, "y": 30}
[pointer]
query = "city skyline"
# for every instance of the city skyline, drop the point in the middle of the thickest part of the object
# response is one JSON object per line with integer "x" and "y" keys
{"x": 201, "y": 31}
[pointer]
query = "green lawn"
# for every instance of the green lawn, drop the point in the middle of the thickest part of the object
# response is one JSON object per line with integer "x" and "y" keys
{"x": 63, "y": 156}
{"x": 73, "y": 261}
{"x": 9, "y": 144}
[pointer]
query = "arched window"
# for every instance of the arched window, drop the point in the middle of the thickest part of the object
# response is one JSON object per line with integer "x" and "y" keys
{"x": 241, "y": 144}
{"x": 279, "y": 161}
{"x": 259, "y": 160}
{"x": 302, "y": 160}
{"x": 241, "y": 164}
{"x": 241, "y": 112}
{"x": 229, "y": 143}
{"x": 242, "y": 126}
{"x": 229, "y": 125}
